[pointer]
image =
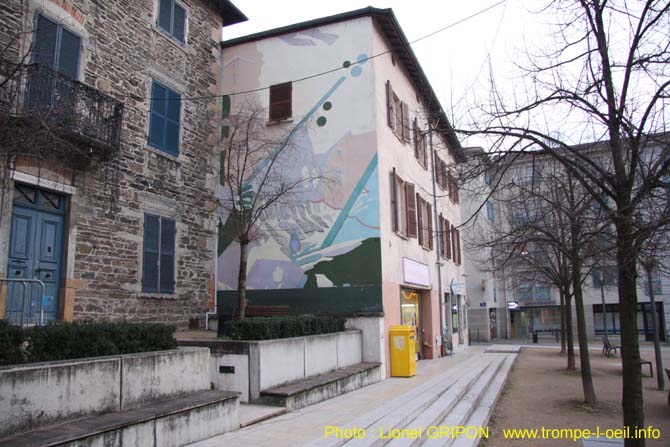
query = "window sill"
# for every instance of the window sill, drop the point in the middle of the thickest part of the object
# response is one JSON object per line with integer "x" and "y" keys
{"x": 158, "y": 296}
{"x": 163, "y": 154}
{"x": 279, "y": 122}
{"x": 426, "y": 248}
{"x": 402, "y": 236}
{"x": 170, "y": 38}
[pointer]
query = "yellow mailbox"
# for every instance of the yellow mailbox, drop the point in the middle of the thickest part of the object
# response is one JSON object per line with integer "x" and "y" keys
{"x": 403, "y": 357}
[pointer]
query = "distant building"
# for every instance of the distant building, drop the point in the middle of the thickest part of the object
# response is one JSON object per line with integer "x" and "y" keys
{"x": 521, "y": 305}
{"x": 366, "y": 248}
{"x": 109, "y": 176}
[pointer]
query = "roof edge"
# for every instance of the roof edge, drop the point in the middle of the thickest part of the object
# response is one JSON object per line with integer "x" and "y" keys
{"x": 402, "y": 45}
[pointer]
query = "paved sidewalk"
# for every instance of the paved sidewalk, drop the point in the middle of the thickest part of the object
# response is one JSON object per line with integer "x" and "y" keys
{"x": 307, "y": 425}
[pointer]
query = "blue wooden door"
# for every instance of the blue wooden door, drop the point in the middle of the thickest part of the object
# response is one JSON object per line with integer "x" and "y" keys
{"x": 35, "y": 252}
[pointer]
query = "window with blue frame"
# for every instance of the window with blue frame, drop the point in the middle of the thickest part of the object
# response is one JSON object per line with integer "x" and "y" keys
{"x": 55, "y": 47}
{"x": 172, "y": 19}
{"x": 158, "y": 261}
{"x": 164, "y": 120}
{"x": 490, "y": 212}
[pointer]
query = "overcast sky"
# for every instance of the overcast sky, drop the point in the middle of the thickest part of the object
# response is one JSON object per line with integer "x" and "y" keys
{"x": 456, "y": 60}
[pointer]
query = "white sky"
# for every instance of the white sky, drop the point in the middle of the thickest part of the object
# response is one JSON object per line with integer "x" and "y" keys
{"x": 456, "y": 60}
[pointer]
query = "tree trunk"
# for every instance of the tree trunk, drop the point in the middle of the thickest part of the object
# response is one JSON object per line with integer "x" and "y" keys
{"x": 242, "y": 282}
{"x": 583, "y": 337}
{"x": 632, "y": 401}
{"x": 569, "y": 334}
{"x": 562, "y": 310}
{"x": 657, "y": 342}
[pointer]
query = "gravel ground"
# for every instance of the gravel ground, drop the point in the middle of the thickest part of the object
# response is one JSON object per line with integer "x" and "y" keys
{"x": 541, "y": 393}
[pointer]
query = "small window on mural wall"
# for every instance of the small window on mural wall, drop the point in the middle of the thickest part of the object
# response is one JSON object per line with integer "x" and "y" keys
{"x": 281, "y": 106}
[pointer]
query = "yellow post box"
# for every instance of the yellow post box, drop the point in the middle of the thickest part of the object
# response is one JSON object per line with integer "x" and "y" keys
{"x": 403, "y": 357}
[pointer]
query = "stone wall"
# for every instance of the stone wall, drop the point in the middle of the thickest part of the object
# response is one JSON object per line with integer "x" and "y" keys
{"x": 122, "y": 52}
{"x": 38, "y": 394}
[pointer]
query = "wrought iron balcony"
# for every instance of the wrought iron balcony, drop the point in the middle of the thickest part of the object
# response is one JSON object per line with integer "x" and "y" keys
{"x": 49, "y": 115}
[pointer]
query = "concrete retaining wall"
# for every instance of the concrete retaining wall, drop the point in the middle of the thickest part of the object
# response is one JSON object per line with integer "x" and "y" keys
{"x": 250, "y": 367}
{"x": 38, "y": 394}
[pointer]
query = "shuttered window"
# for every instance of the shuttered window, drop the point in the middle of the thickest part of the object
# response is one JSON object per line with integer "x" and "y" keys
{"x": 441, "y": 238}
{"x": 57, "y": 48}
{"x": 449, "y": 237}
{"x": 411, "y": 208}
{"x": 405, "y": 130}
{"x": 172, "y": 19}
{"x": 429, "y": 219}
{"x": 420, "y": 206}
{"x": 164, "y": 119}
{"x": 281, "y": 106}
{"x": 158, "y": 260}
{"x": 394, "y": 202}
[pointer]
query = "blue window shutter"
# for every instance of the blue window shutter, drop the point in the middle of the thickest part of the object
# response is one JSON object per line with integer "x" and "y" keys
{"x": 68, "y": 54}
{"x": 44, "y": 46}
{"x": 179, "y": 23}
{"x": 167, "y": 255}
{"x": 165, "y": 14}
{"x": 157, "y": 116}
{"x": 172, "y": 123}
{"x": 150, "y": 254}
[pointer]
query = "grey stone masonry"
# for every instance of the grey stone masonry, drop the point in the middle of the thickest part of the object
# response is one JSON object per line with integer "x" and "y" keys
{"x": 123, "y": 52}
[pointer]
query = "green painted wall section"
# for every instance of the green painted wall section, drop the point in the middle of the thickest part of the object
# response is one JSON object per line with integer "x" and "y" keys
{"x": 348, "y": 301}
{"x": 359, "y": 267}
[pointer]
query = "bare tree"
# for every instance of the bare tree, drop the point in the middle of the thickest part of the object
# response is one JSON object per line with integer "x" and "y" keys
{"x": 607, "y": 80}
{"x": 545, "y": 238}
{"x": 259, "y": 171}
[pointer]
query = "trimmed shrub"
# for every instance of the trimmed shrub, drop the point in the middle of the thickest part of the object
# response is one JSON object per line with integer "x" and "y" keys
{"x": 267, "y": 328}
{"x": 62, "y": 341}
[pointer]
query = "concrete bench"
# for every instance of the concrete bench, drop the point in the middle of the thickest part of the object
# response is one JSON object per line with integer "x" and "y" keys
{"x": 255, "y": 310}
{"x": 178, "y": 421}
{"x": 311, "y": 390}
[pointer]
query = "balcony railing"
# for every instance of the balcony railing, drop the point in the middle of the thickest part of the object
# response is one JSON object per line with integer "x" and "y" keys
{"x": 34, "y": 97}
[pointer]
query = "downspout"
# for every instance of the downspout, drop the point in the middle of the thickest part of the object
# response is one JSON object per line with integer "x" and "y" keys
{"x": 438, "y": 262}
{"x": 216, "y": 219}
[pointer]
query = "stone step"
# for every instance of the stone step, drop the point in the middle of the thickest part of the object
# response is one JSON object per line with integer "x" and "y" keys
{"x": 482, "y": 413}
{"x": 311, "y": 390}
{"x": 401, "y": 411}
{"x": 251, "y": 414}
{"x": 422, "y": 395}
{"x": 462, "y": 411}
{"x": 439, "y": 409}
{"x": 402, "y": 414}
{"x": 164, "y": 423}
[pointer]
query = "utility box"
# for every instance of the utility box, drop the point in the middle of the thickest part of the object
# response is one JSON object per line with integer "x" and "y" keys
{"x": 403, "y": 357}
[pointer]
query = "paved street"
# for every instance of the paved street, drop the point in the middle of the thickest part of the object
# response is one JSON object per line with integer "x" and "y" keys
{"x": 376, "y": 403}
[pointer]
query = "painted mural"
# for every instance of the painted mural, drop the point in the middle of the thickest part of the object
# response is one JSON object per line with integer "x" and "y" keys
{"x": 329, "y": 235}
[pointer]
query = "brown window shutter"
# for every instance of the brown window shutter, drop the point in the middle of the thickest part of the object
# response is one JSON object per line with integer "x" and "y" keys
{"x": 410, "y": 208}
{"x": 457, "y": 247}
{"x": 424, "y": 150}
{"x": 389, "y": 104}
{"x": 450, "y": 239}
{"x": 440, "y": 229}
{"x": 429, "y": 212}
{"x": 416, "y": 139}
{"x": 405, "y": 121}
{"x": 443, "y": 174}
{"x": 281, "y": 101}
{"x": 419, "y": 217}
{"x": 394, "y": 201}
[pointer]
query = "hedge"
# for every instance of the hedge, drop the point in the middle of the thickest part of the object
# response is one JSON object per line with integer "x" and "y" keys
{"x": 267, "y": 328}
{"x": 62, "y": 341}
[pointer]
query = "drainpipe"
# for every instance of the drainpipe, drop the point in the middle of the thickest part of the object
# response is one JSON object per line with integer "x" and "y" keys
{"x": 438, "y": 262}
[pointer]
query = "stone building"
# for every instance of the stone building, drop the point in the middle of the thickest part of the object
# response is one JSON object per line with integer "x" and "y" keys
{"x": 109, "y": 166}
